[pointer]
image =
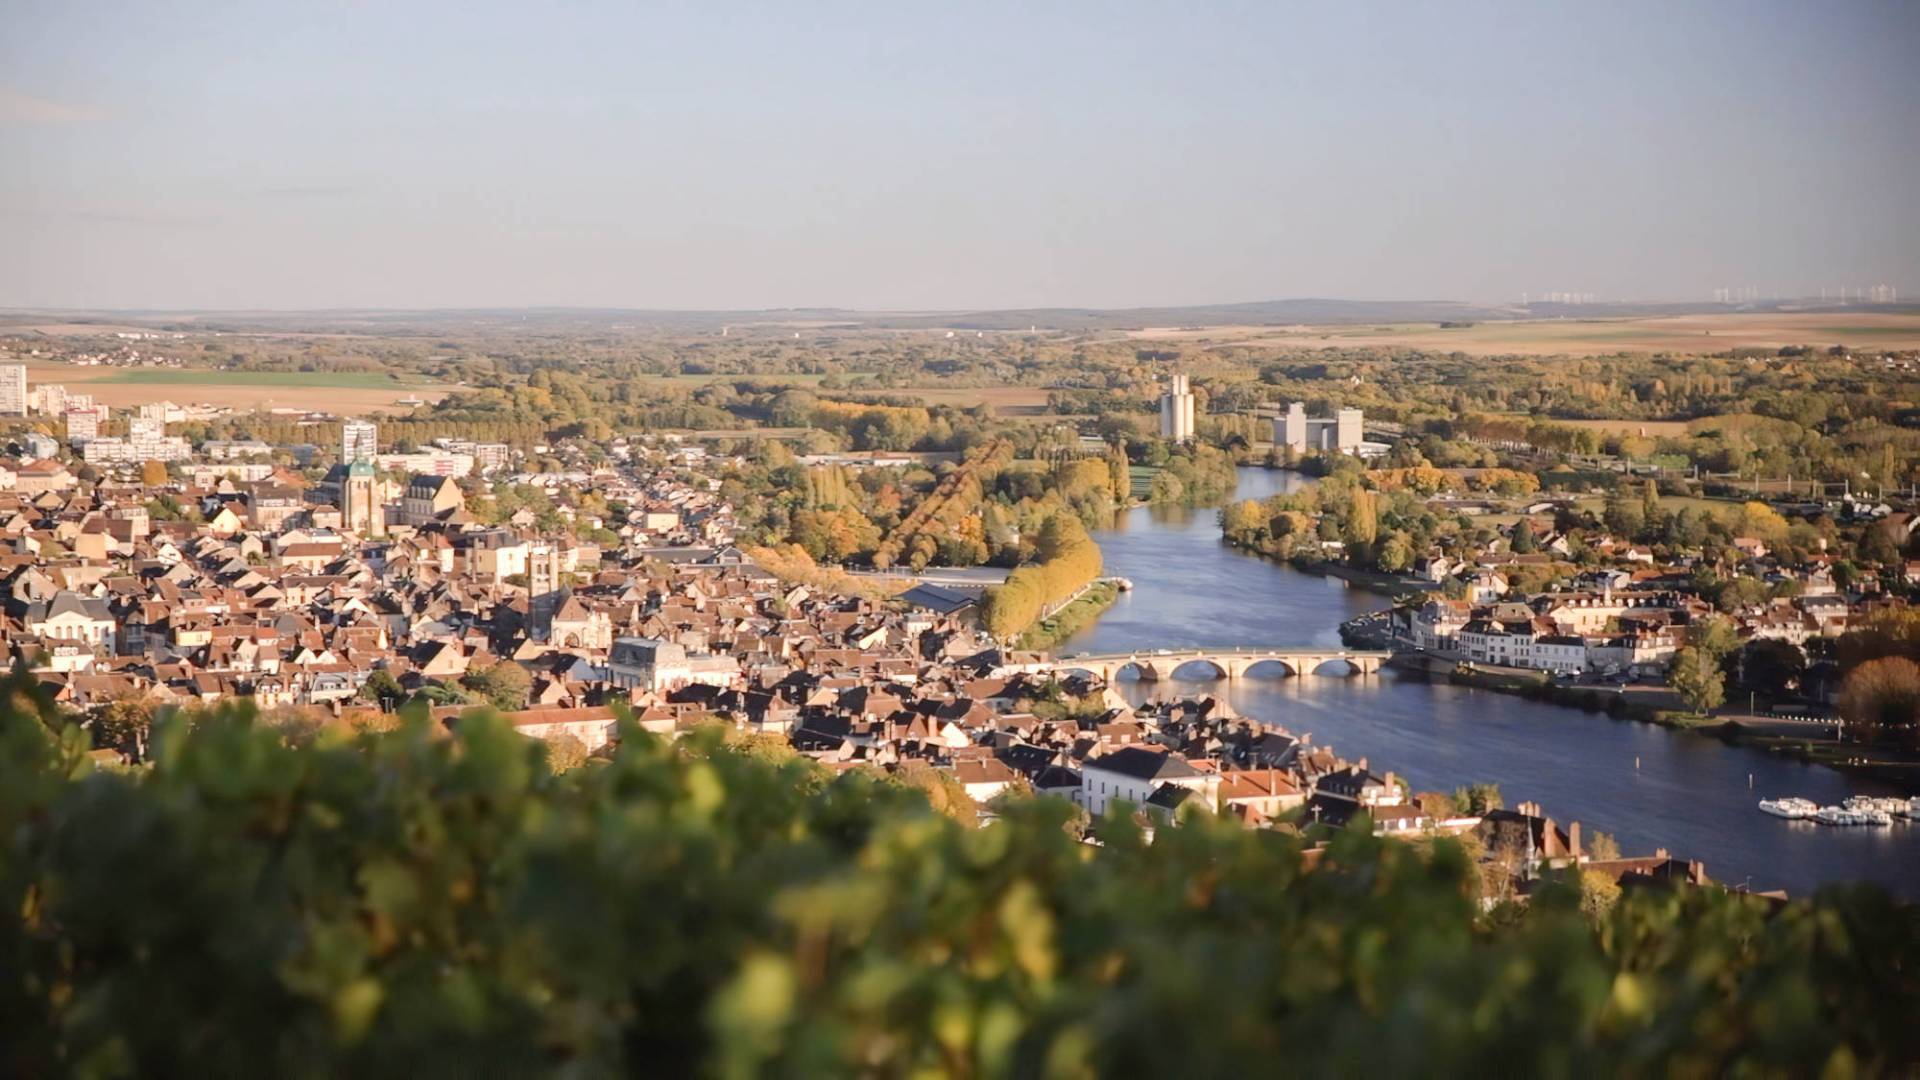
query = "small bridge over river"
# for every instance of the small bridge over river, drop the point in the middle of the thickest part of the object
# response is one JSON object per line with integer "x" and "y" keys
{"x": 1235, "y": 663}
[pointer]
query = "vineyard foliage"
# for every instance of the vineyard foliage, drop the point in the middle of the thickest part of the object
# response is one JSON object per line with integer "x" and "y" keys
{"x": 409, "y": 902}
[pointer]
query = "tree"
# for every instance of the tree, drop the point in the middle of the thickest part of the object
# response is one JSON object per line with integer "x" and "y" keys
{"x": 1881, "y": 699}
{"x": 1601, "y": 847}
{"x": 1740, "y": 592}
{"x": 382, "y": 689}
{"x": 1696, "y": 677}
{"x": 1894, "y": 632}
{"x": 504, "y": 685}
{"x": 409, "y": 902}
{"x": 153, "y": 473}
{"x": 1716, "y": 637}
{"x": 125, "y": 724}
{"x": 1119, "y": 473}
{"x": 943, "y": 791}
{"x": 1479, "y": 798}
{"x": 1599, "y": 892}
{"x": 565, "y": 752}
{"x": 1771, "y": 667}
{"x": 1623, "y": 515}
{"x": 1759, "y": 520}
{"x": 1363, "y": 523}
{"x": 1396, "y": 554}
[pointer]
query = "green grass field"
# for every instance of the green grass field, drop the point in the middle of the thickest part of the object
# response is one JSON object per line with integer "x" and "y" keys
{"x": 363, "y": 380}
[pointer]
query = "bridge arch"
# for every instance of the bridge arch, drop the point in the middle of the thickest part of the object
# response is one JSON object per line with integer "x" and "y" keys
{"x": 1225, "y": 663}
{"x": 1202, "y": 667}
{"x": 1270, "y": 667}
{"x": 1138, "y": 670}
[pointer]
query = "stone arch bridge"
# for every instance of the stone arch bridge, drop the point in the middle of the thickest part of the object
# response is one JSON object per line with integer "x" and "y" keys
{"x": 1235, "y": 663}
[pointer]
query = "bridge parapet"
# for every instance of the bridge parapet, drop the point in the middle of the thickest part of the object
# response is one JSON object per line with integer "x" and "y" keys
{"x": 1232, "y": 663}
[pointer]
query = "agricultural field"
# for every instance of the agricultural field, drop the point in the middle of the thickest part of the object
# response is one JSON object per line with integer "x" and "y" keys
{"x": 1581, "y": 337}
{"x": 343, "y": 392}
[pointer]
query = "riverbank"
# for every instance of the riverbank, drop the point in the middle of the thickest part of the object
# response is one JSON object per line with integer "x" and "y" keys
{"x": 1071, "y": 618}
{"x": 1648, "y": 785}
{"x": 1619, "y": 704}
{"x": 1370, "y": 580}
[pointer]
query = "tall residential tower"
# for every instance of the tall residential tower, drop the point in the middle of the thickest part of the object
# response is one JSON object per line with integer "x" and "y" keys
{"x": 1176, "y": 411}
{"x": 359, "y": 441}
{"x": 13, "y": 389}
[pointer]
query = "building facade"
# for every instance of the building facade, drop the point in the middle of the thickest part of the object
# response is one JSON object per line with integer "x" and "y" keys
{"x": 13, "y": 389}
{"x": 1176, "y": 411}
{"x": 361, "y": 508}
{"x": 359, "y": 441}
{"x": 1342, "y": 434}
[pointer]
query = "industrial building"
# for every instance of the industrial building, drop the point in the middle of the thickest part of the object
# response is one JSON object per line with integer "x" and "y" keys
{"x": 1176, "y": 411}
{"x": 1341, "y": 434}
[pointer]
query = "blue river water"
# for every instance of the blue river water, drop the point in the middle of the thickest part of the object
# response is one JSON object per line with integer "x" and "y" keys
{"x": 1648, "y": 786}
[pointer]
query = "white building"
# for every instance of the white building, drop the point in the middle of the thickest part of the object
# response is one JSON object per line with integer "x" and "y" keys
{"x": 1436, "y": 624}
{"x": 426, "y": 463}
{"x": 1134, "y": 773}
{"x": 1562, "y": 654}
{"x": 113, "y": 450}
{"x": 491, "y": 455}
{"x": 1176, "y": 411}
{"x": 40, "y": 446}
{"x": 84, "y": 423}
{"x": 48, "y": 399}
{"x": 1508, "y": 644}
{"x": 71, "y": 617}
{"x": 1342, "y": 434}
{"x": 359, "y": 441}
{"x": 638, "y": 663}
{"x": 13, "y": 389}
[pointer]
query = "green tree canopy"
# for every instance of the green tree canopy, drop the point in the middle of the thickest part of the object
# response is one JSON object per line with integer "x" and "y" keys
{"x": 404, "y": 902}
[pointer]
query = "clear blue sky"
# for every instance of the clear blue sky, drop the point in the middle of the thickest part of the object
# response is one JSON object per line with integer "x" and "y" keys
{"x": 904, "y": 155}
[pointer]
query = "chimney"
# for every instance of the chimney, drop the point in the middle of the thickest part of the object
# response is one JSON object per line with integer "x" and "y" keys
{"x": 1573, "y": 839}
{"x": 1362, "y": 766}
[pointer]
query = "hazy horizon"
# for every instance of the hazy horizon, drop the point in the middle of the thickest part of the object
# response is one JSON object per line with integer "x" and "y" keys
{"x": 173, "y": 156}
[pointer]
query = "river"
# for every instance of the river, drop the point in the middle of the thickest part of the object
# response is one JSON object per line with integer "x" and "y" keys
{"x": 1648, "y": 786}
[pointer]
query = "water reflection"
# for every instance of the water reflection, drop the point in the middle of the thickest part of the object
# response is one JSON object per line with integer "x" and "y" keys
{"x": 1687, "y": 793}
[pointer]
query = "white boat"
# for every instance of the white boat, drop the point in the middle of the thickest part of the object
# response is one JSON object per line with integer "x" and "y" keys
{"x": 1790, "y": 807}
{"x": 1913, "y": 808}
{"x": 1840, "y": 815}
{"x": 1872, "y": 804}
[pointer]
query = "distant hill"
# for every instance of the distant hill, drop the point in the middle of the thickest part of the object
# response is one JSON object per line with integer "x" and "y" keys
{"x": 1259, "y": 313}
{"x": 1308, "y": 311}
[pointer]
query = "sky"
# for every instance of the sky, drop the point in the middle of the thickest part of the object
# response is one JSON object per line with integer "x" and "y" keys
{"x": 902, "y": 156}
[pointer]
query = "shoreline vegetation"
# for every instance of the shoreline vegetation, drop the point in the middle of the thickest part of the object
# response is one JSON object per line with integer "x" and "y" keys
{"x": 1529, "y": 684}
{"x": 1536, "y": 686}
{"x": 1075, "y": 616}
